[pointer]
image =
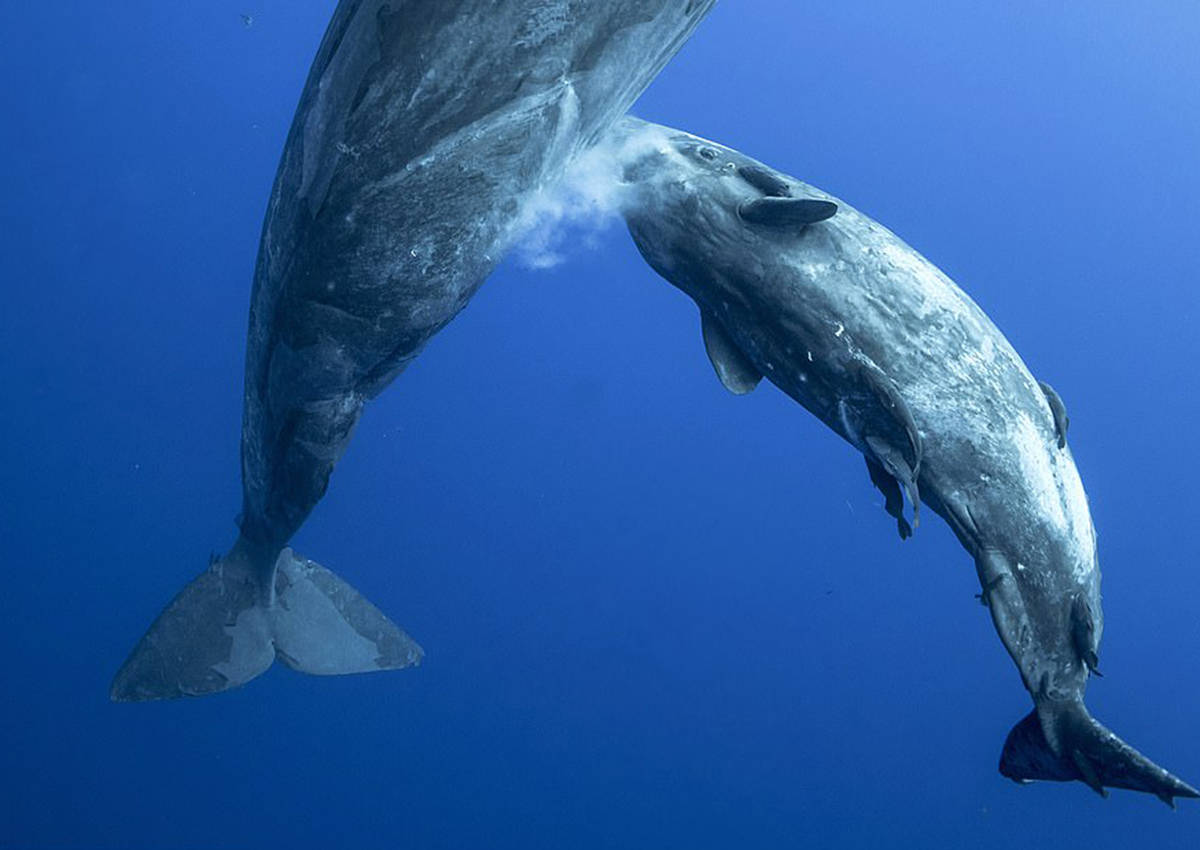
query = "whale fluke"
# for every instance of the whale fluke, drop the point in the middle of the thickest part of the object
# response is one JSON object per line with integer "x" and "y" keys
{"x": 1083, "y": 750}
{"x": 230, "y": 623}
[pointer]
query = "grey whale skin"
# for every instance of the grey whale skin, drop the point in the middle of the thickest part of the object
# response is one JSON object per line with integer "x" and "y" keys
{"x": 840, "y": 314}
{"x": 422, "y": 129}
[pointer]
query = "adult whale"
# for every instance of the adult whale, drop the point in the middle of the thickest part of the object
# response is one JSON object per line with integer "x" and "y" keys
{"x": 424, "y": 128}
{"x": 874, "y": 340}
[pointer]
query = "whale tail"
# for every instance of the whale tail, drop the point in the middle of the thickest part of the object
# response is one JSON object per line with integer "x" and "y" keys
{"x": 1061, "y": 741}
{"x": 230, "y": 623}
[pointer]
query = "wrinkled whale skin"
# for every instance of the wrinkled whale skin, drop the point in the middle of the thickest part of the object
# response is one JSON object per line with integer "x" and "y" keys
{"x": 834, "y": 309}
{"x": 423, "y": 131}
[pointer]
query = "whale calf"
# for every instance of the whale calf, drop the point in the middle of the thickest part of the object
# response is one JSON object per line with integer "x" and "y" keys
{"x": 865, "y": 333}
{"x": 422, "y": 131}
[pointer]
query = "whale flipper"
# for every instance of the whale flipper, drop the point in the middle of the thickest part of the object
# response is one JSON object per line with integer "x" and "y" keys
{"x": 1059, "y": 411}
{"x": 225, "y": 628}
{"x": 734, "y": 368}
{"x": 786, "y": 212}
{"x": 1079, "y": 747}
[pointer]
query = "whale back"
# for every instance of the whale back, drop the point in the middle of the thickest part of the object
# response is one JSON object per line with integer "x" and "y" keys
{"x": 423, "y": 129}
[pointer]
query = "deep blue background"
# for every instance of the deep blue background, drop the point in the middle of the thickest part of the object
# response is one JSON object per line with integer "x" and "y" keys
{"x": 656, "y": 615}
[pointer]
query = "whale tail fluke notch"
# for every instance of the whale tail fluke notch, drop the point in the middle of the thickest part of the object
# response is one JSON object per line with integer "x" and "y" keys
{"x": 230, "y": 623}
{"x": 1083, "y": 750}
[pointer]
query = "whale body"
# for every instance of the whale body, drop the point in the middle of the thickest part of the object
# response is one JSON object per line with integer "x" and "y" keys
{"x": 422, "y": 131}
{"x": 865, "y": 333}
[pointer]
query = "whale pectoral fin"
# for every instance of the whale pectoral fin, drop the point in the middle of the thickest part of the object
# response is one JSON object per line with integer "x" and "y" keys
{"x": 1089, "y": 753}
{"x": 897, "y": 467}
{"x": 1059, "y": 411}
{"x": 786, "y": 212}
{"x": 893, "y": 500}
{"x": 734, "y": 368}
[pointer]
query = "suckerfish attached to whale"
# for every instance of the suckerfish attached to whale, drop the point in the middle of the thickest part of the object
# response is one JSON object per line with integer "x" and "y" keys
{"x": 423, "y": 130}
{"x": 856, "y": 326}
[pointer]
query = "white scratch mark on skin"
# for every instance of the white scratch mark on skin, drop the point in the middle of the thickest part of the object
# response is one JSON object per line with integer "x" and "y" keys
{"x": 1054, "y": 483}
{"x": 1080, "y": 517}
{"x": 939, "y": 291}
{"x": 974, "y": 402}
{"x": 1037, "y": 471}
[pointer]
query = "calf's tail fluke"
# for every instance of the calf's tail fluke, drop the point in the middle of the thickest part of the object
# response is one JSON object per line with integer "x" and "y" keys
{"x": 230, "y": 623}
{"x": 1061, "y": 741}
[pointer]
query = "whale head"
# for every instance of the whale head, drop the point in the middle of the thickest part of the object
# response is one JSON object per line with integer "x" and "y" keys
{"x": 699, "y": 211}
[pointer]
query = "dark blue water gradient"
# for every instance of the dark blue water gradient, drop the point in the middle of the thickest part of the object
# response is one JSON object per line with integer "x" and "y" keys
{"x": 656, "y": 615}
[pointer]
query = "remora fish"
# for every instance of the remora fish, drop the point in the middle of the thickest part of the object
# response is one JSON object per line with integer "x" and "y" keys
{"x": 874, "y": 340}
{"x": 424, "y": 127}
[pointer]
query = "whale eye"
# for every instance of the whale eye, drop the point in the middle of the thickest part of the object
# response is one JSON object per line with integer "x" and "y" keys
{"x": 709, "y": 154}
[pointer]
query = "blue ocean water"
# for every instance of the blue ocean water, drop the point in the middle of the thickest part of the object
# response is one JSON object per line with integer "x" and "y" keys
{"x": 656, "y": 615}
